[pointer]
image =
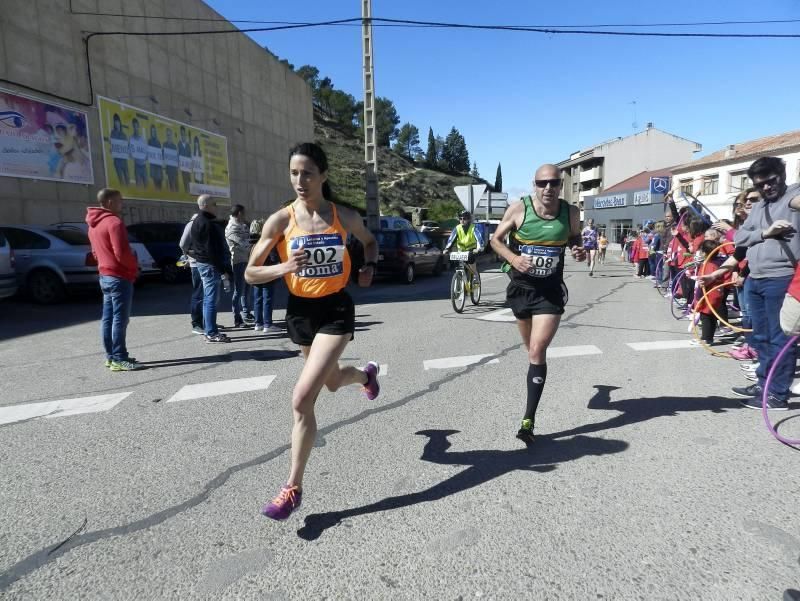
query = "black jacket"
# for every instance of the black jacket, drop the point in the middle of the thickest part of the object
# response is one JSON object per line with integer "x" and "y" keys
{"x": 208, "y": 243}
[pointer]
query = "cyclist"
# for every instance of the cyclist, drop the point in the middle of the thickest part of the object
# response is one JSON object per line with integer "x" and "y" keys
{"x": 467, "y": 238}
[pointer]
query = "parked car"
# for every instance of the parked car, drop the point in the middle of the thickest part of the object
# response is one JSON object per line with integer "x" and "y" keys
{"x": 50, "y": 262}
{"x": 162, "y": 240}
{"x": 8, "y": 277}
{"x": 403, "y": 253}
{"x": 148, "y": 268}
{"x": 430, "y": 226}
{"x": 389, "y": 222}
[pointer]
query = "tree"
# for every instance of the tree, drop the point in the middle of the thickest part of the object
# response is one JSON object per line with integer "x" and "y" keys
{"x": 431, "y": 155}
{"x": 441, "y": 163}
{"x": 407, "y": 142}
{"x": 343, "y": 108}
{"x": 498, "y": 179}
{"x": 474, "y": 172}
{"x": 386, "y": 121}
{"x": 311, "y": 75}
{"x": 454, "y": 153}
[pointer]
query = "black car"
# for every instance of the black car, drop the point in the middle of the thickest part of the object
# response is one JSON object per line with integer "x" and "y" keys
{"x": 162, "y": 238}
{"x": 402, "y": 254}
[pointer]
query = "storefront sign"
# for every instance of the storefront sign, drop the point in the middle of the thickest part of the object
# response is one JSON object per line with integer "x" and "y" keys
{"x": 155, "y": 158}
{"x": 610, "y": 202}
{"x": 642, "y": 198}
{"x": 41, "y": 140}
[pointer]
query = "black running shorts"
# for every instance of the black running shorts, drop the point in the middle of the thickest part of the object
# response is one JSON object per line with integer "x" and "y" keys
{"x": 333, "y": 314}
{"x": 548, "y": 298}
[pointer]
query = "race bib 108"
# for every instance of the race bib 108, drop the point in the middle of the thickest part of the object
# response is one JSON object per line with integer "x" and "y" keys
{"x": 325, "y": 253}
{"x": 545, "y": 259}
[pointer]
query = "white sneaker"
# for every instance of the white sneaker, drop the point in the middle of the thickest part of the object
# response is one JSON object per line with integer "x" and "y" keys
{"x": 273, "y": 329}
{"x": 258, "y": 328}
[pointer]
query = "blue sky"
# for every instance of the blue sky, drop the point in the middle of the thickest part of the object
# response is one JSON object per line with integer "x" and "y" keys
{"x": 523, "y": 99}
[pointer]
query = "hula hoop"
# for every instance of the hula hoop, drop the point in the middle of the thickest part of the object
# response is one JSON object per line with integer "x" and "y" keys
{"x": 706, "y": 292}
{"x": 677, "y": 281}
{"x": 706, "y": 346}
{"x": 790, "y": 442}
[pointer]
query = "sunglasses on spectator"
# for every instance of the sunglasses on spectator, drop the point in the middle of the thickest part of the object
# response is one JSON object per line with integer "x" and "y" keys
{"x": 767, "y": 182}
{"x": 752, "y": 199}
{"x": 543, "y": 183}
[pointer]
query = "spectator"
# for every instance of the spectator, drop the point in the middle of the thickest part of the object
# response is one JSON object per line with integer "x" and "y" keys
{"x": 770, "y": 235}
{"x": 237, "y": 234}
{"x": 118, "y": 270}
{"x": 713, "y": 303}
{"x": 263, "y": 294}
{"x": 196, "y": 304}
{"x": 209, "y": 249}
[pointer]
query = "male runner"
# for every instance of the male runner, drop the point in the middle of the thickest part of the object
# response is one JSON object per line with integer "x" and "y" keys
{"x": 540, "y": 228}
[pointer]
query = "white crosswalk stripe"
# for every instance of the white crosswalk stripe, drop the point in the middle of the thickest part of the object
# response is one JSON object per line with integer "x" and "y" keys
{"x": 384, "y": 369}
{"x": 660, "y": 345}
{"x": 572, "y": 351}
{"x": 220, "y": 388}
{"x": 451, "y": 362}
{"x": 61, "y": 408}
{"x": 500, "y": 315}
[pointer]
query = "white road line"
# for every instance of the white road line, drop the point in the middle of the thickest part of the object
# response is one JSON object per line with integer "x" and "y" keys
{"x": 660, "y": 345}
{"x": 500, "y": 315}
{"x": 451, "y": 362}
{"x": 384, "y": 369}
{"x": 572, "y": 351}
{"x": 60, "y": 408}
{"x": 492, "y": 277}
{"x": 221, "y": 387}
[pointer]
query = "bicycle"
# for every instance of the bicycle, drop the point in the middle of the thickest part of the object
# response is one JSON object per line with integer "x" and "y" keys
{"x": 460, "y": 285}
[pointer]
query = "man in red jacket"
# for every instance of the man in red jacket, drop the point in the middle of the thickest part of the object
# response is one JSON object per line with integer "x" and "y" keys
{"x": 118, "y": 270}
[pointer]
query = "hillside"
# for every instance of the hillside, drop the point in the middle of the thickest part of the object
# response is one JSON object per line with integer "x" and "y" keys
{"x": 401, "y": 182}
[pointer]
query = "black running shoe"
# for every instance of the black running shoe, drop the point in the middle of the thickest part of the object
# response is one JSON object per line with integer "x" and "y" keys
{"x": 525, "y": 433}
{"x": 773, "y": 403}
{"x": 747, "y": 392}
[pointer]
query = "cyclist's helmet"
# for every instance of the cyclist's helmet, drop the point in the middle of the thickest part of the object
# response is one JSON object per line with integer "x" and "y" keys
{"x": 465, "y": 215}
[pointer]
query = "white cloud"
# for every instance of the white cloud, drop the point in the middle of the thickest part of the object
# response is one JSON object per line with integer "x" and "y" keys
{"x": 514, "y": 194}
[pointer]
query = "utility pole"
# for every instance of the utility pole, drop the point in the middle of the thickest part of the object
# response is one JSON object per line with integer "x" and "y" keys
{"x": 370, "y": 142}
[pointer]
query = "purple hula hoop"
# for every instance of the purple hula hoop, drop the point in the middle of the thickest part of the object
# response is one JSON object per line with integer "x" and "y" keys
{"x": 787, "y": 441}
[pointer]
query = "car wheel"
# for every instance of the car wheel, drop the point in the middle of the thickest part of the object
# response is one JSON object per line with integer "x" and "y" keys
{"x": 409, "y": 274}
{"x": 45, "y": 287}
{"x": 169, "y": 272}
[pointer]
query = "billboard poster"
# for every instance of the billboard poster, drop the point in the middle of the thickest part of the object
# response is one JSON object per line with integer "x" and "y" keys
{"x": 42, "y": 140}
{"x": 151, "y": 157}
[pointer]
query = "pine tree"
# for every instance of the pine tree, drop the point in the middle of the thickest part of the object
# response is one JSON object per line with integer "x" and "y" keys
{"x": 407, "y": 142}
{"x": 454, "y": 153}
{"x": 474, "y": 172}
{"x": 431, "y": 155}
{"x": 498, "y": 179}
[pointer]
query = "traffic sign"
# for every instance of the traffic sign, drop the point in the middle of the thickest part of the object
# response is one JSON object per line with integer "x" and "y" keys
{"x": 463, "y": 195}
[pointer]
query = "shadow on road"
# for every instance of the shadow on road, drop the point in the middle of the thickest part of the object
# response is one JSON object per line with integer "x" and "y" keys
{"x": 543, "y": 456}
{"x": 263, "y": 355}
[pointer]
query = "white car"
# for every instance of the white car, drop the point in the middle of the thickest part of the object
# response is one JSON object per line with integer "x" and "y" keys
{"x": 147, "y": 266}
{"x": 8, "y": 276}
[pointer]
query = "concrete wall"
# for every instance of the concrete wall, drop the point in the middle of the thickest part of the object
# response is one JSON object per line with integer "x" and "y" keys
{"x": 721, "y": 204}
{"x": 648, "y": 150}
{"x": 227, "y": 77}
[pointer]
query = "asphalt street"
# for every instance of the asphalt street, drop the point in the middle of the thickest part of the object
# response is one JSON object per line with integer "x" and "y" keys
{"x": 647, "y": 481}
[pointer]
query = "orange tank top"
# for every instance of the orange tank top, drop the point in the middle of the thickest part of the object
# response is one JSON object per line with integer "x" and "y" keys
{"x": 328, "y": 269}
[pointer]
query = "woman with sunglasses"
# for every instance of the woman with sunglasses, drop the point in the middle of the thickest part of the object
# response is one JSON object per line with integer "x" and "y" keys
{"x": 539, "y": 230}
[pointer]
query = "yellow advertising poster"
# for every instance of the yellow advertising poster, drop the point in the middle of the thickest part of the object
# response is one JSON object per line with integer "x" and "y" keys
{"x": 151, "y": 157}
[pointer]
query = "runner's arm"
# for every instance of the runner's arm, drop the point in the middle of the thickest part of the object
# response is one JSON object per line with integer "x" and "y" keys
{"x": 575, "y": 241}
{"x": 511, "y": 221}
{"x": 271, "y": 233}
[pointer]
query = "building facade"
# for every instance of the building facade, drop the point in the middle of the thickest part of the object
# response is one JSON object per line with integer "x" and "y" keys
{"x": 592, "y": 171}
{"x": 629, "y": 204}
{"x": 717, "y": 178}
{"x": 238, "y": 107}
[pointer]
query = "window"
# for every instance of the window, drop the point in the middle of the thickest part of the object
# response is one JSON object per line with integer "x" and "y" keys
{"x": 386, "y": 239}
{"x": 411, "y": 238}
{"x": 71, "y": 237}
{"x": 710, "y": 184}
{"x": 575, "y": 188}
{"x": 25, "y": 240}
{"x": 740, "y": 181}
{"x": 424, "y": 240}
{"x": 686, "y": 186}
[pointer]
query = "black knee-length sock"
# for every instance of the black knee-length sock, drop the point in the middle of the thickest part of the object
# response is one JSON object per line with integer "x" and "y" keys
{"x": 537, "y": 374}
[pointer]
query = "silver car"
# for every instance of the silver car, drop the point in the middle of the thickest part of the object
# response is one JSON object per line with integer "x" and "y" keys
{"x": 148, "y": 268}
{"x": 8, "y": 277}
{"x": 51, "y": 261}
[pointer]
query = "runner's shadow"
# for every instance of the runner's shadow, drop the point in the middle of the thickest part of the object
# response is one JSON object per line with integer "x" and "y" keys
{"x": 263, "y": 355}
{"x": 482, "y": 467}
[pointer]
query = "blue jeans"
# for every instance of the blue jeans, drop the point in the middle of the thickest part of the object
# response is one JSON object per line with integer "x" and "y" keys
{"x": 212, "y": 281}
{"x": 743, "y": 298}
{"x": 117, "y": 302}
{"x": 196, "y": 306}
{"x": 240, "y": 292}
{"x": 764, "y": 300}
{"x": 263, "y": 303}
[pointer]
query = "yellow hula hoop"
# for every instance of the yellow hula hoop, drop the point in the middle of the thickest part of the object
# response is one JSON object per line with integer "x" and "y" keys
{"x": 706, "y": 346}
{"x": 707, "y": 292}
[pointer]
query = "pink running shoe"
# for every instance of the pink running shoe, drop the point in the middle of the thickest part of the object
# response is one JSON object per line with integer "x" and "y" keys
{"x": 282, "y": 506}
{"x": 372, "y": 389}
{"x": 743, "y": 353}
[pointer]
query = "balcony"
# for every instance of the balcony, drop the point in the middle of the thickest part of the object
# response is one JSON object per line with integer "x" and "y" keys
{"x": 590, "y": 192}
{"x": 591, "y": 174}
